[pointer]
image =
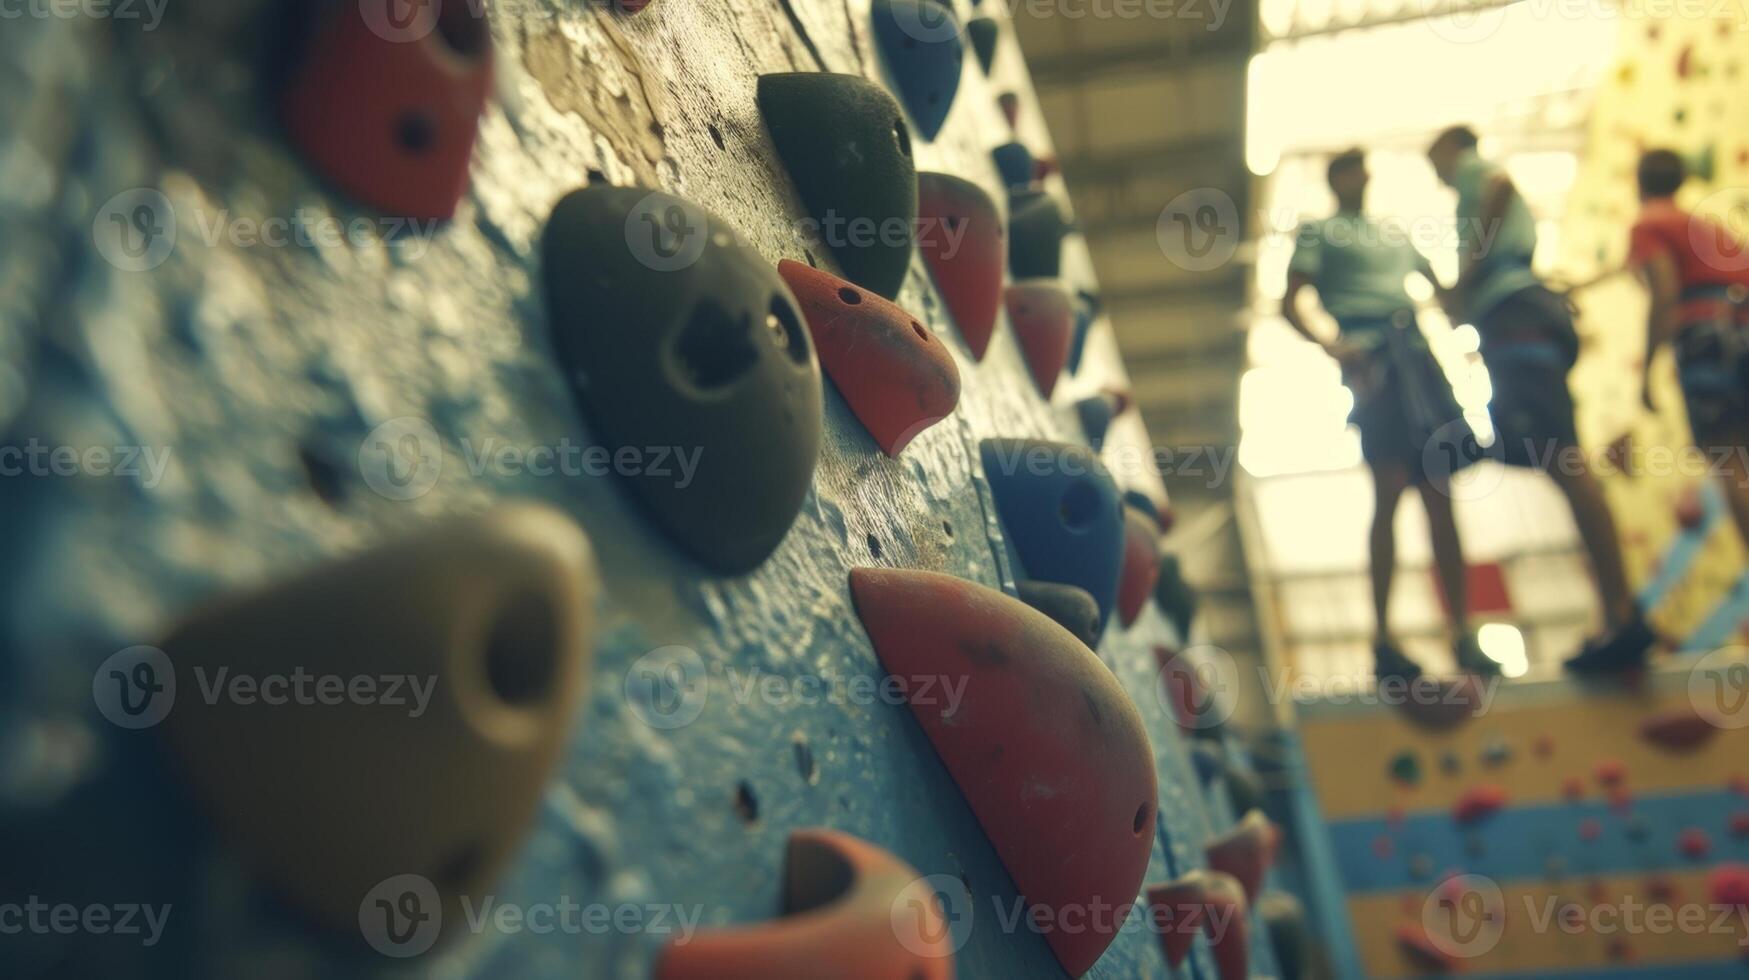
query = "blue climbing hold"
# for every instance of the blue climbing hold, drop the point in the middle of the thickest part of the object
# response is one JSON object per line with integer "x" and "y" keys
{"x": 920, "y": 44}
{"x": 1014, "y": 163}
{"x": 1096, "y": 413}
{"x": 1062, "y": 510}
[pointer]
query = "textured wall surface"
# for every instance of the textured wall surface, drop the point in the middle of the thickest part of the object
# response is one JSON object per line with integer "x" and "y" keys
{"x": 261, "y": 372}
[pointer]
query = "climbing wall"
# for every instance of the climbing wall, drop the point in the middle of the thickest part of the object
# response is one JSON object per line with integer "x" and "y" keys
{"x": 1542, "y": 828}
{"x": 1679, "y": 83}
{"x": 314, "y": 399}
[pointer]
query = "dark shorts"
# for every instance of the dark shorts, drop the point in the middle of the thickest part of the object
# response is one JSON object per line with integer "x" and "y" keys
{"x": 1712, "y": 361}
{"x": 1404, "y": 407}
{"x": 1529, "y": 345}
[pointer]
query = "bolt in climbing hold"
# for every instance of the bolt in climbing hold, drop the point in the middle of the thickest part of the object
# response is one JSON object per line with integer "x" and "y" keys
{"x": 1040, "y": 314}
{"x": 962, "y": 239}
{"x": 674, "y": 332}
{"x": 1072, "y": 608}
{"x": 386, "y": 111}
{"x": 1141, "y": 566}
{"x": 896, "y": 377}
{"x": 850, "y": 909}
{"x": 848, "y": 151}
{"x": 327, "y": 800}
{"x": 1049, "y": 751}
{"x": 919, "y": 41}
{"x": 1060, "y": 508}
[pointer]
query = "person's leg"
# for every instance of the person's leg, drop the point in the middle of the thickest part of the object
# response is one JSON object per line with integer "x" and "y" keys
{"x": 1572, "y": 474}
{"x": 1389, "y": 480}
{"x": 1448, "y": 555}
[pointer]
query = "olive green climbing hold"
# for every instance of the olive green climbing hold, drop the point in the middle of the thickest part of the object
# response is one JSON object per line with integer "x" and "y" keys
{"x": 1406, "y": 768}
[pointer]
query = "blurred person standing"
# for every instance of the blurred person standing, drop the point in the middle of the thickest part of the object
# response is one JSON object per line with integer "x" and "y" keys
{"x": 1697, "y": 273}
{"x": 1529, "y": 345}
{"x": 1357, "y": 266}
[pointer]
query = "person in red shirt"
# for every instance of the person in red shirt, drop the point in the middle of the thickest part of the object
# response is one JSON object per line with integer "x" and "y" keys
{"x": 1698, "y": 274}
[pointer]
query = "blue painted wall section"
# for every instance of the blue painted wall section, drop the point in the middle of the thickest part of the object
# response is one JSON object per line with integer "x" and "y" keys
{"x": 264, "y": 371}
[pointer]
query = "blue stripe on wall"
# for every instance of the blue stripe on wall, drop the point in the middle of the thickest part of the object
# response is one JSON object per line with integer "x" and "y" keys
{"x": 1526, "y": 843}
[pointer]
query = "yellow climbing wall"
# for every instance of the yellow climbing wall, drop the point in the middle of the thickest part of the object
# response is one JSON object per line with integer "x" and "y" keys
{"x": 1682, "y": 82}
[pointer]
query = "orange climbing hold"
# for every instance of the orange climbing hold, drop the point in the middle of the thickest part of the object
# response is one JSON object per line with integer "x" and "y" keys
{"x": 1478, "y": 802}
{"x": 850, "y": 909}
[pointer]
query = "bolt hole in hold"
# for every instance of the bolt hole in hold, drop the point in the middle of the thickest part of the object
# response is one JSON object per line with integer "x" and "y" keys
{"x": 597, "y": 177}
{"x": 522, "y": 650}
{"x": 714, "y": 349}
{"x": 786, "y": 330}
{"x": 947, "y": 528}
{"x": 716, "y": 136}
{"x": 462, "y": 26}
{"x": 903, "y": 136}
{"x": 746, "y": 804}
{"x": 1079, "y": 506}
{"x": 415, "y": 131}
{"x": 850, "y": 296}
{"x": 810, "y": 257}
{"x": 1143, "y": 813}
{"x": 874, "y": 546}
{"x": 921, "y": 333}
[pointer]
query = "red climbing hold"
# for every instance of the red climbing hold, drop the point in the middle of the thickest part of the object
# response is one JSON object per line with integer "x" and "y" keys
{"x": 1728, "y": 885}
{"x": 1383, "y": 847}
{"x": 1694, "y": 844}
{"x": 1620, "y": 799}
{"x": 962, "y": 238}
{"x": 1043, "y": 167}
{"x": 387, "y": 112}
{"x": 1573, "y": 788}
{"x": 1044, "y": 323}
{"x": 1048, "y": 750}
{"x": 1227, "y": 923}
{"x": 1478, "y": 802}
{"x": 1010, "y": 104}
{"x": 1179, "y": 908}
{"x": 1141, "y": 565}
{"x": 1660, "y": 888}
{"x": 631, "y": 6}
{"x": 1740, "y": 823}
{"x": 1677, "y": 730}
{"x": 1246, "y": 851}
{"x": 1120, "y": 399}
{"x": 1544, "y": 746}
{"x": 850, "y": 909}
{"x": 1690, "y": 510}
{"x": 1610, "y": 772}
{"x": 1423, "y": 953}
{"x": 1590, "y": 829}
{"x": 897, "y": 378}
